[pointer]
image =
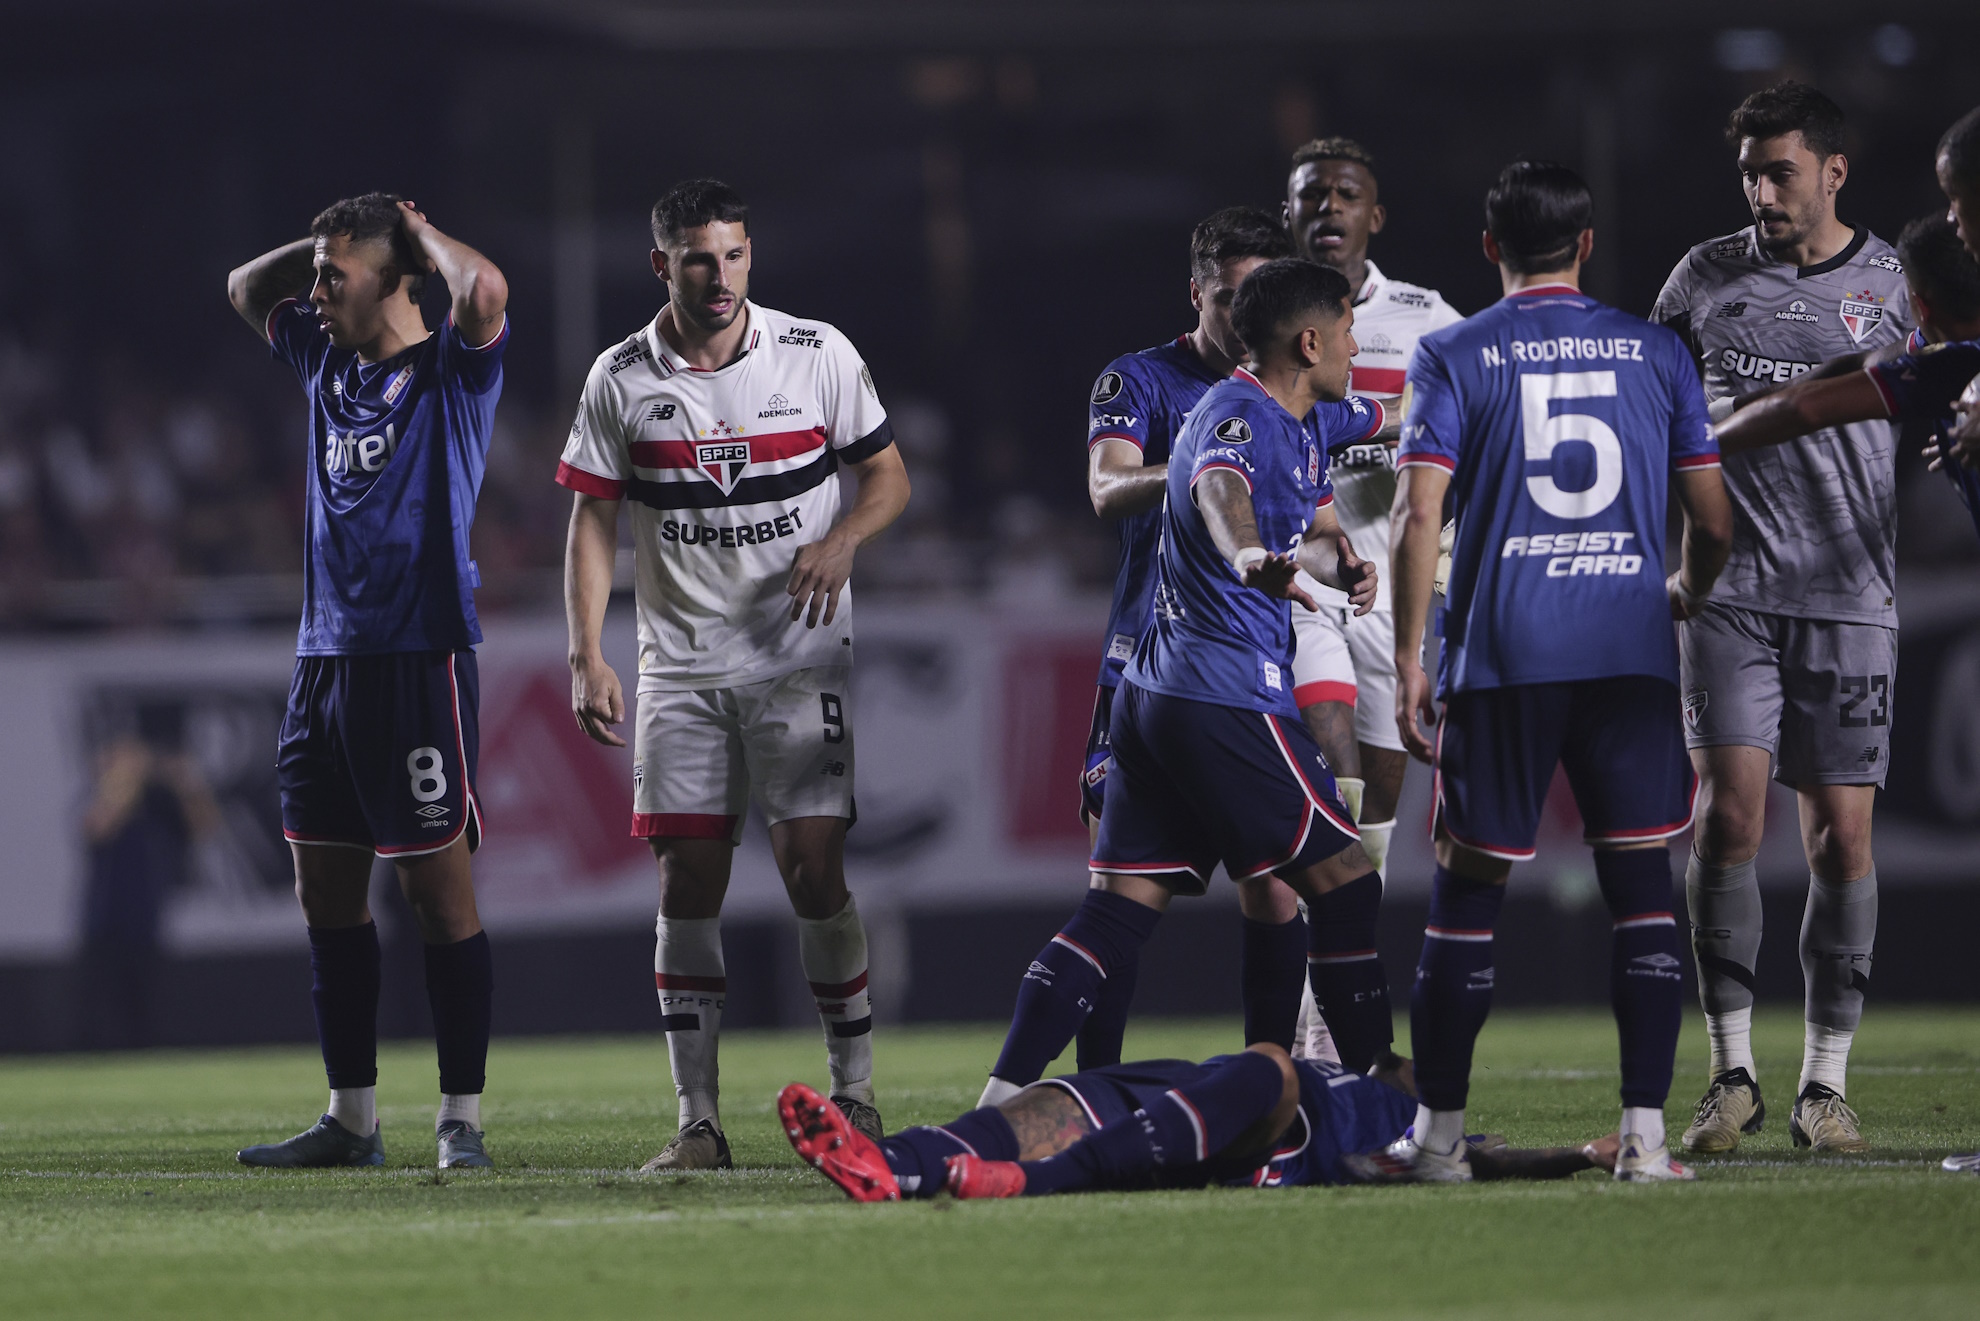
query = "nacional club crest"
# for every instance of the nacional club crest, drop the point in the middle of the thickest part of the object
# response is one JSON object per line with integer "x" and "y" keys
{"x": 724, "y": 460}
{"x": 1861, "y": 314}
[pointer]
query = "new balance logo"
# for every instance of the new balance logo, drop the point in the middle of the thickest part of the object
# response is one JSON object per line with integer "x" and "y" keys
{"x": 660, "y": 413}
{"x": 1731, "y": 309}
{"x": 833, "y": 768}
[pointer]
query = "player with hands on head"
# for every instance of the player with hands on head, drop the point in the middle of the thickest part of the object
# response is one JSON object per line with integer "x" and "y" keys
{"x": 1211, "y": 763}
{"x": 724, "y": 423}
{"x": 1135, "y": 412}
{"x": 377, "y": 754}
{"x": 1557, "y": 426}
{"x": 1788, "y": 671}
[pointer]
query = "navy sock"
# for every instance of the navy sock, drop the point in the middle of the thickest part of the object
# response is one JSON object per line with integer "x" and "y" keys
{"x": 1177, "y": 1129}
{"x": 1271, "y": 969}
{"x": 1646, "y": 979}
{"x": 1348, "y": 982}
{"x": 1101, "y": 1035}
{"x": 460, "y": 987}
{"x": 343, "y": 962}
{"x": 1453, "y": 992}
{"x": 1063, "y": 982}
{"x": 916, "y": 1155}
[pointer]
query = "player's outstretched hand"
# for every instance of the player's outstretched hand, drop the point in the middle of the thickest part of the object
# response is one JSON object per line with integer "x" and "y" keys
{"x": 1358, "y": 578}
{"x": 1414, "y": 699}
{"x": 1962, "y": 444}
{"x": 416, "y": 224}
{"x": 597, "y": 701}
{"x": 818, "y": 575}
{"x": 1278, "y": 575}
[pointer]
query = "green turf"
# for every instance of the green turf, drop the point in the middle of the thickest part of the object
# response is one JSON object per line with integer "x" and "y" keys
{"x": 119, "y": 1198}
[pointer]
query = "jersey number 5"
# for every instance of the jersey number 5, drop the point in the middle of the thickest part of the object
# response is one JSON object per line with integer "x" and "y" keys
{"x": 1545, "y": 430}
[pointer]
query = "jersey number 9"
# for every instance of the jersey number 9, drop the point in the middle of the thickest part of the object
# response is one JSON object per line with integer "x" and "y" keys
{"x": 1544, "y": 431}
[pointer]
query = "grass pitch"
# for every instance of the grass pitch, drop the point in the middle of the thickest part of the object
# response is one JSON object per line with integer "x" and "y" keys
{"x": 119, "y": 1197}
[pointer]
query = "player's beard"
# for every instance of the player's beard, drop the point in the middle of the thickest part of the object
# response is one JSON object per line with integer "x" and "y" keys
{"x": 712, "y": 321}
{"x": 1798, "y": 229}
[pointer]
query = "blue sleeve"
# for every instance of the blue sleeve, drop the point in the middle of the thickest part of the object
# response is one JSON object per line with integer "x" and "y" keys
{"x": 1925, "y": 384}
{"x": 1232, "y": 443}
{"x": 1692, "y": 443}
{"x": 295, "y": 338}
{"x": 475, "y": 370}
{"x": 1118, "y": 408}
{"x": 1349, "y": 422}
{"x": 1433, "y": 425}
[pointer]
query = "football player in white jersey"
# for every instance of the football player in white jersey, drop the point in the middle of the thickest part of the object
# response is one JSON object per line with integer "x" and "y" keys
{"x": 725, "y": 423}
{"x": 1344, "y": 669}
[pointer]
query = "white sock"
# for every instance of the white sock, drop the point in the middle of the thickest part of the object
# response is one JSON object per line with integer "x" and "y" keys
{"x": 833, "y": 952}
{"x": 465, "y": 1107}
{"x": 356, "y": 1108}
{"x": 693, "y": 984}
{"x": 1731, "y": 1034}
{"x": 1439, "y": 1132}
{"x": 1351, "y": 790}
{"x": 1311, "y": 1039}
{"x": 1645, "y": 1122}
{"x": 996, "y": 1092}
{"x": 1375, "y": 843}
{"x": 1824, "y": 1057}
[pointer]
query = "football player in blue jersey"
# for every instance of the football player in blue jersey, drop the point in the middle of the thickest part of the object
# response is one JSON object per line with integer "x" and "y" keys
{"x": 377, "y": 753}
{"x": 1555, "y": 424}
{"x": 1211, "y": 762}
{"x": 1135, "y": 411}
{"x": 1258, "y": 1119}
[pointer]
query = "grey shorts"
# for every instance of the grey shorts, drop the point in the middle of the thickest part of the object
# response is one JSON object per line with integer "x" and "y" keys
{"x": 1815, "y": 693}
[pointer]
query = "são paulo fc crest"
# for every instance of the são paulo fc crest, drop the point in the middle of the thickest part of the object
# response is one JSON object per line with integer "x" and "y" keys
{"x": 724, "y": 460}
{"x": 1234, "y": 431}
{"x": 1695, "y": 702}
{"x": 1861, "y": 314}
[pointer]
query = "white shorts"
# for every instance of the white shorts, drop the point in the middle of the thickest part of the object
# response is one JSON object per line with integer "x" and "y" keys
{"x": 698, "y": 756}
{"x": 1341, "y": 657}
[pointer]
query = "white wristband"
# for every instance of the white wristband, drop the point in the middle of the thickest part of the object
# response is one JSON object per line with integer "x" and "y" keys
{"x": 1721, "y": 409}
{"x": 1247, "y": 557}
{"x": 1692, "y": 600}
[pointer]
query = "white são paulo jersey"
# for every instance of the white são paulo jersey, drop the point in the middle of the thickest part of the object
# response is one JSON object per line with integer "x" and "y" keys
{"x": 728, "y": 472}
{"x": 1389, "y": 317}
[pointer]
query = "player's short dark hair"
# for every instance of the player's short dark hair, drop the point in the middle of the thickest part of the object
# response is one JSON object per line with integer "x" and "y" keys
{"x": 1282, "y": 291}
{"x": 1235, "y": 232}
{"x": 1334, "y": 149}
{"x": 1960, "y": 150}
{"x": 370, "y": 217}
{"x": 695, "y": 203}
{"x": 1789, "y": 107}
{"x": 1940, "y": 268}
{"x": 1536, "y": 212}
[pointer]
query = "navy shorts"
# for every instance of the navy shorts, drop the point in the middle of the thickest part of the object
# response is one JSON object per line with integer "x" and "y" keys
{"x": 1099, "y": 756}
{"x": 378, "y": 752}
{"x": 1194, "y": 784}
{"x": 1620, "y": 740}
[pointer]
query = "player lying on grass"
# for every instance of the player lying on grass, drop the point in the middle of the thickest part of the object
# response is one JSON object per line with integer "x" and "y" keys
{"x": 1922, "y": 378}
{"x": 1258, "y": 1118}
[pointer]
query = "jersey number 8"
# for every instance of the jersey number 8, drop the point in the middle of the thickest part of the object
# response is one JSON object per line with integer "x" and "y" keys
{"x": 428, "y": 781}
{"x": 1545, "y": 431}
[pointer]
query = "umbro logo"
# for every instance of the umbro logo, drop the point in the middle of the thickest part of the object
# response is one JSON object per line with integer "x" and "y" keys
{"x": 1658, "y": 960}
{"x": 1234, "y": 431}
{"x": 432, "y": 810}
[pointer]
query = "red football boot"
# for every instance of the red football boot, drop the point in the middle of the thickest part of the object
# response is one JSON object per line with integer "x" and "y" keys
{"x": 973, "y": 1176}
{"x": 820, "y": 1133}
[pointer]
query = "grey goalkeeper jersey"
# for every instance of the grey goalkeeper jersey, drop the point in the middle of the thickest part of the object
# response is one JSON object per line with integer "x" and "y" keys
{"x": 1814, "y": 520}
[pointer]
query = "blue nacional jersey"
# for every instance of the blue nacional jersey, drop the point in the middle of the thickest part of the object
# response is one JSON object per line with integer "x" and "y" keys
{"x": 1925, "y": 383}
{"x": 1559, "y": 420}
{"x": 1214, "y": 639}
{"x": 397, "y": 450}
{"x": 1339, "y": 1113}
{"x": 1142, "y": 399}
